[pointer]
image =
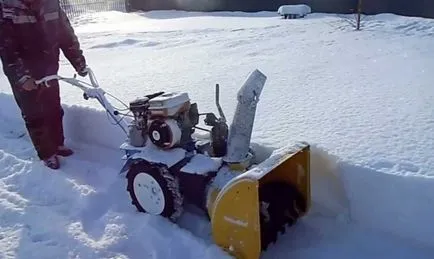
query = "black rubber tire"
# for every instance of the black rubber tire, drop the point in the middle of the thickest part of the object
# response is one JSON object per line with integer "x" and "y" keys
{"x": 168, "y": 183}
{"x": 285, "y": 202}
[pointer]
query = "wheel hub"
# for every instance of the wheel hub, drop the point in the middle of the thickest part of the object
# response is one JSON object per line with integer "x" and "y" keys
{"x": 149, "y": 193}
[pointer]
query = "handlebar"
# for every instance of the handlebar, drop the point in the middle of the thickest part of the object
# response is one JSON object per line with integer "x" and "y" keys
{"x": 73, "y": 81}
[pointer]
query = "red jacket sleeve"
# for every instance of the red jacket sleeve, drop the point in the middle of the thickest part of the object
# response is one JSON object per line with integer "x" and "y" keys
{"x": 69, "y": 43}
{"x": 13, "y": 66}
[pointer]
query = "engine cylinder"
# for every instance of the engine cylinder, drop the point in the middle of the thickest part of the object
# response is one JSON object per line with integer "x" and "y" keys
{"x": 136, "y": 136}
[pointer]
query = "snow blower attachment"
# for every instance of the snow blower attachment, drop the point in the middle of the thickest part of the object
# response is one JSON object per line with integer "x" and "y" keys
{"x": 249, "y": 200}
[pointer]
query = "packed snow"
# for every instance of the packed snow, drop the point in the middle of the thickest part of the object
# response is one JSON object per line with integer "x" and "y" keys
{"x": 201, "y": 164}
{"x": 363, "y": 99}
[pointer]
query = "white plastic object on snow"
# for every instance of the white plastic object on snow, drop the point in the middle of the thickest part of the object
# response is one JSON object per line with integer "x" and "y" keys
{"x": 299, "y": 10}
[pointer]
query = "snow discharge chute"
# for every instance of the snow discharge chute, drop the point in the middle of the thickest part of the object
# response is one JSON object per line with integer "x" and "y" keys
{"x": 249, "y": 198}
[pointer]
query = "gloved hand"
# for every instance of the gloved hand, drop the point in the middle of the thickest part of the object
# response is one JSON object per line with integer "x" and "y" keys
{"x": 83, "y": 72}
{"x": 29, "y": 85}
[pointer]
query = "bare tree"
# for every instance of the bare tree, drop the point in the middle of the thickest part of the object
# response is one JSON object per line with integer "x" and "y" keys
{"x": 359, "y": 14}
{"x": 355, "y": 22}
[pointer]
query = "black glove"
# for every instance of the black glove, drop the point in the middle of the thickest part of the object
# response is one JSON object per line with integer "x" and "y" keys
{"x": 83, "y": 72}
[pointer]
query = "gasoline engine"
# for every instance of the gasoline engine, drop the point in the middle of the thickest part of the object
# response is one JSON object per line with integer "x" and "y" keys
{"x": 168, "y": 120}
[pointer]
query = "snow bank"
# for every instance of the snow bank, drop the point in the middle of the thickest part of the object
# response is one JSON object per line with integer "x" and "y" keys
{"x": 81, "y": 124}
{"x": 396, "y": 203}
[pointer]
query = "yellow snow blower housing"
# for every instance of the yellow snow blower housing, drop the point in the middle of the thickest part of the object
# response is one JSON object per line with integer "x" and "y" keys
{"x": 252, "y": 208}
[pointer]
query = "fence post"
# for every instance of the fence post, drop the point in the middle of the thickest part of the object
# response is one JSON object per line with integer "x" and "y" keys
{"x": 128, "y": 6}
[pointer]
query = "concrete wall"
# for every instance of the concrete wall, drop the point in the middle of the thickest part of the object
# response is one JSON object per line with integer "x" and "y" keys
{"x": 422, "y": 8}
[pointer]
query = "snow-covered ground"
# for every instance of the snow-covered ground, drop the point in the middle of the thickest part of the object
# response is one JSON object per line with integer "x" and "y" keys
{"x": 365, "y": 98}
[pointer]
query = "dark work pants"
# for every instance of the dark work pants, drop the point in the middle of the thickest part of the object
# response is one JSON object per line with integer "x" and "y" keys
{"x": 43, "y": 115}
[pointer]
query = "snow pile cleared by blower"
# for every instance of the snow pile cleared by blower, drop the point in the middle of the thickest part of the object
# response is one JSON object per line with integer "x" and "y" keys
{"x": 329, "y": 195}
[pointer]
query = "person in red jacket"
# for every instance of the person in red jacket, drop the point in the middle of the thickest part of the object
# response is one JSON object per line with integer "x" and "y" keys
{"x": 32, "y": 33}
